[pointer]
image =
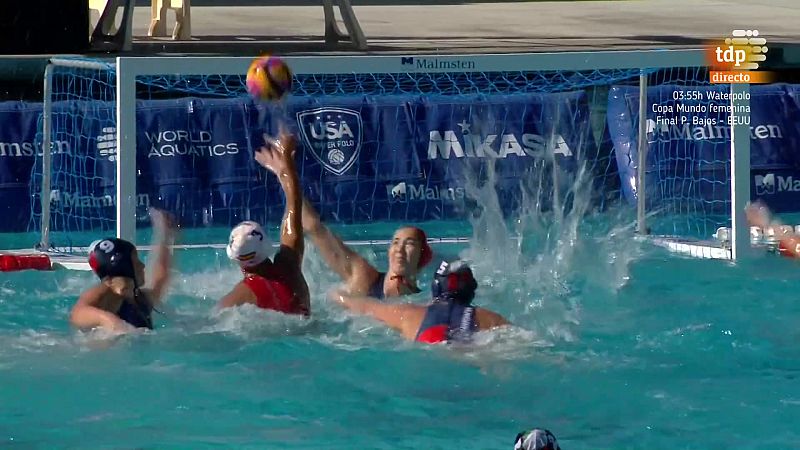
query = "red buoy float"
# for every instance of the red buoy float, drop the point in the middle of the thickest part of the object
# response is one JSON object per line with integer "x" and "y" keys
{"x": 16, "y": 262}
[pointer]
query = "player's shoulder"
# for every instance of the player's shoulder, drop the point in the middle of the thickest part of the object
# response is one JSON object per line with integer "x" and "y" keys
{"x": 97, "y": 288}
{"x": 487, "y": 318}
{"x": 286, "y": 255}
{"x": 94, "y": 293}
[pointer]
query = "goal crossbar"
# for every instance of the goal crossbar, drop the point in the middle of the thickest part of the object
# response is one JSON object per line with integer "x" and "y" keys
{"x": 128, "y": 68}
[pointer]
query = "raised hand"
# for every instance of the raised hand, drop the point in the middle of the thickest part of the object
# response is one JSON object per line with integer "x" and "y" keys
{"x": 278, "y": 154}
{"x": 163, "y": 222}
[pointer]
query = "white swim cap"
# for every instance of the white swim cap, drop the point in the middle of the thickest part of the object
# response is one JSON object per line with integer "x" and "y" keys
{"x": 248, "y": 244}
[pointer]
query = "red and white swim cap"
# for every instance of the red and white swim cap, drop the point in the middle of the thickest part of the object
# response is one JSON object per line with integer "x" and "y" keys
{"x": 249, "y": 245}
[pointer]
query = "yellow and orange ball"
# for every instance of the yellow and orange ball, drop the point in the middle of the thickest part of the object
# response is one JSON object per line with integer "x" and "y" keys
{"x": 269, "y": 78}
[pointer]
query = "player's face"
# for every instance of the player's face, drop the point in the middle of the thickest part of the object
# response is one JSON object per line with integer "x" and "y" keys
{"x": 404, "y": 252}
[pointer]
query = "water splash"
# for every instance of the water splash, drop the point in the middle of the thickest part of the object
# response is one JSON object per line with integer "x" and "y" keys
{"x": 538, "y": 266}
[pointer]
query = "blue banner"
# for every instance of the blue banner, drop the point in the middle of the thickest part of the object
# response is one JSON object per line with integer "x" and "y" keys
{"x": 83, "y": 185}
{"x": 401, "y": 158}
{"x": 17, "y": 146}
{"x": 337, "y": 143}
{"x": 462, "y": 137}
{"x": 17, "y": 151}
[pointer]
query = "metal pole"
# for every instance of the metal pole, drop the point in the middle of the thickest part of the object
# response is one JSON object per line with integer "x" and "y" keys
{"x": 740, "y": 169}
{"x": 126, "y": 150}
{"x": 641, "y": 226}
{"x": 47, "y": 126}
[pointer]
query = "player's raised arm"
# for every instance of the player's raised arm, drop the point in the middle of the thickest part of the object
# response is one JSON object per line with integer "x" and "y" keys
{"x": 164, "y": 233}
{"x": 278, "y": 158}
{"x": 348, "y": 264}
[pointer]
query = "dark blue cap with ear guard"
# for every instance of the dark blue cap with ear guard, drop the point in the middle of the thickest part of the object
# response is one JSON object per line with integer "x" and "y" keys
{"x": 112, "y": 257}
{"x": 454, "y": 281}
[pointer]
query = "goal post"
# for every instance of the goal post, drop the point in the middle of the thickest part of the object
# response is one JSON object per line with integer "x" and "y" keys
{"x": 641, "y": 173}
{"x": 740, "y": 172}
{"x": 127, "y": 81}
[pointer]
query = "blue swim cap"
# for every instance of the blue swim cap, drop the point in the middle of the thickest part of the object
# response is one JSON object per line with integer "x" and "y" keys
{"x": 112, "y": 257}
{"x": 454, "y": 281}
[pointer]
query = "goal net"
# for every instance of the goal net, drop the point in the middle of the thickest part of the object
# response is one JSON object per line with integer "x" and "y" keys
{"x": 381, "y": 139}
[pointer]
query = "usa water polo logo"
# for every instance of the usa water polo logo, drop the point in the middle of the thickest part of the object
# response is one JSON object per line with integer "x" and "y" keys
{"x": 334, "y": 136}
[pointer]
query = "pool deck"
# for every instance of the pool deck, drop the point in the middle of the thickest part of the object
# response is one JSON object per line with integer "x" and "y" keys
{"x": 252, "y": 27}
{"x": 255, "y": 26}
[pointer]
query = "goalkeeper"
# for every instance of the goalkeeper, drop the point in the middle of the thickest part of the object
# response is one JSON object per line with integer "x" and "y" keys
{"x": 408, "y": 253}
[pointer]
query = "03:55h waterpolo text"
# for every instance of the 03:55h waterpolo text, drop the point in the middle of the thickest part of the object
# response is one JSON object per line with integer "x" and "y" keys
{"x": 697, "y": 107}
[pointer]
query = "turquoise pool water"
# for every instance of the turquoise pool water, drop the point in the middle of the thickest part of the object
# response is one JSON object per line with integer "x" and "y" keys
{"x": 617, "y": 345}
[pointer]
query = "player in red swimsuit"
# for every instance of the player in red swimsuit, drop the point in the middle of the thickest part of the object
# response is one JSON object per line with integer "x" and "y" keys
{"x": 277, "y": 285}
{"x": 788, "y": 242}
{"x": 450, "y": 316}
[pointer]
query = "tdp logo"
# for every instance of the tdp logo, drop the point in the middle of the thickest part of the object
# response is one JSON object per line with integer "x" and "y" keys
{"x": 770, "y": 183}
{"x": 731, "y": 55}
{"x": 333, "y": 135}
{"x": 744, "y": 50}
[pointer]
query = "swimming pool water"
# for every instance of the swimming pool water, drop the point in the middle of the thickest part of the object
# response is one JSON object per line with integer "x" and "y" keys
{"x": 617, "y": 345}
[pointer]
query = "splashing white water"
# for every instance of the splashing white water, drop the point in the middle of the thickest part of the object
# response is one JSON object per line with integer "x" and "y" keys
{"x": 555, "y": 247}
